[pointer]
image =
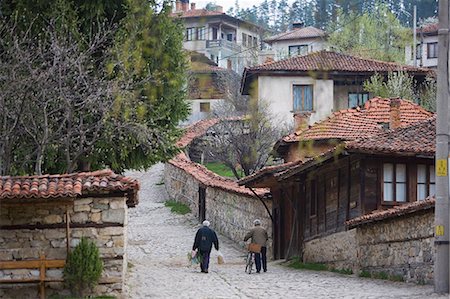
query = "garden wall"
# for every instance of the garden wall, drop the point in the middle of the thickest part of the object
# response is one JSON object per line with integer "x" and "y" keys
{"x": 396, "y": 243}
{"x": 33, "y": 229}
{"x": 230, "y": 208}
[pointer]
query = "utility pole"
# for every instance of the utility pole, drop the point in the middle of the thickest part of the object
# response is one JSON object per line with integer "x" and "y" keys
{"x": 441, "y": 263}
{"x": 415, "y": 36}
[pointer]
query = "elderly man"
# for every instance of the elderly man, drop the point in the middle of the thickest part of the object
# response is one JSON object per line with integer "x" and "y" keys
{"x": 204, "y": 239}
{"x": 260, "y": 237}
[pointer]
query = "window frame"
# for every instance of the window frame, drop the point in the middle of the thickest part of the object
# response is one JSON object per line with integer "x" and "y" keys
{"x": 394, "y": 183}
{"x": 298, "y": 52}
{"x": 360, "y": 99}
{"x": 428, "y": 183}
{"x": 435, "y": 50}
{"x": 201, "y": 33}
{"x": 203, "y": 104}
{"x": 191, "y": 33}
{"x": 303, "y": 98}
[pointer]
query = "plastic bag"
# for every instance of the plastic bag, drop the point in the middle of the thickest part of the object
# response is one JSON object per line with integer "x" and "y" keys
{"x": 220, "y": 259}
{"x": 194, "y": 257}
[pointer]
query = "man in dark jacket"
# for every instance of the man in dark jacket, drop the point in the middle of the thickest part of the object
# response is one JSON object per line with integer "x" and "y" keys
{"x": 260, "y": 237}
{"x": 204, "y": 239}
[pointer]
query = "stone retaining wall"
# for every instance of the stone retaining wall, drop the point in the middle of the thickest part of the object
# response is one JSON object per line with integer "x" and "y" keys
{"x": 102, "y": 220}
{"x": 230, "y": 213}
{"x": 397, "y": 247}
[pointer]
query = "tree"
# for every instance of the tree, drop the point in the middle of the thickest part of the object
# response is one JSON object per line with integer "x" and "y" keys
{"x": 400, "y": 84}
{"x": 377, "y": 35}
{"x": 111, "y": 96}
{"x": 83, "y": 268}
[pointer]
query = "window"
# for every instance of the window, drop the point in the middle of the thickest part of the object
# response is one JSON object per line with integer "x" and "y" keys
{"x": 298, "y": 50}
{"x": 418, "y": 51}
{"x": 190, "y": 33}
{"x": 255, "y": 42}
{"x": 205, "y": 107}
{"x": 394, "y": 182}
{"x": 244, "y": 39}
{"x": 201, "y": 33}
{"x": 214, "y": 32}
{"x": 303, "y": 97}
{"x": 357, "y": 99}
{"x": 432, "y": 50}
{"x": 230, "y": 37}
{"x": 426, "y": 181}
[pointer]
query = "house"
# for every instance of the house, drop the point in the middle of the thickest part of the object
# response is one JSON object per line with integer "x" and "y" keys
{"x": 299, "y": 40}
{"x": 230, "y": 42}
{"x": 206, "y": 90}
{"x": 373, "y": 117}
{"x": 375, "y": 169}
{"x": 426, "y": 48}
{"x": 42, "y": 219}
{"x": 309, "y": 88}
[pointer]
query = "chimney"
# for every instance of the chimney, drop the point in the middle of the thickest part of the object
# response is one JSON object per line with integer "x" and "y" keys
{"x": 301, "y": 121}
{"x": 184, "y": 5}
{"x": 219, "y": 8}
{"x": 178, "y": 5}
{"x": 192, "y": 6}
{"x": 298, "y": 25}
{"x": 394, "y": 114}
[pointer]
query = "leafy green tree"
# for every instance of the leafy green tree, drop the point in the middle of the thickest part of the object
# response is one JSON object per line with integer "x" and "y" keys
{"x": 377, "y": 35}
{"x": 83, "y": 268}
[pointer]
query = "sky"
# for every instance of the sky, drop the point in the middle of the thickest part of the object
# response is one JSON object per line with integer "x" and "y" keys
{"x": 229, "y": 3}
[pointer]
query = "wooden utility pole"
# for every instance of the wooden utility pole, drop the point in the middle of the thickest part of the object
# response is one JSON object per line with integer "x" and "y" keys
{"x": 441, "y": 263}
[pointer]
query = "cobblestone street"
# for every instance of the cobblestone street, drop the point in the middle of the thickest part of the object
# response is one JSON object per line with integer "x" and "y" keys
{"x": 159, "y": 240}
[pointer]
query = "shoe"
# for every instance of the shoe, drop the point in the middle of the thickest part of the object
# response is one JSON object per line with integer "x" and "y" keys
{"x": 206, "y": 271}
{"x": 265, "y": 270}
{"x": 258, "y": 271}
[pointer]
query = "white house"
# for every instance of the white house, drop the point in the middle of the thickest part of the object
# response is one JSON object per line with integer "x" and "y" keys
{"x": 427, "y": 47}
{"x": 299, "y": 40}
{"x": 309, "y": 88}
{"x": 228, "y": 41}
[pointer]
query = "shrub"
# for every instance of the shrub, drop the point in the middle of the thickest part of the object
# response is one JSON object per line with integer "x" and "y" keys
{"x": 83, "y": 268}
{"x": 177, "y": 207}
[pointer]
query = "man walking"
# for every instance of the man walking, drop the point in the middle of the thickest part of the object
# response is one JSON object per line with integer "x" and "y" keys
{"x": 204, "y": 239}
{"x": 260, "y": 237}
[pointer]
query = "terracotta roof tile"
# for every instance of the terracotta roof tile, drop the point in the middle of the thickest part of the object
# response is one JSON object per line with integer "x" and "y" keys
{"x": 416, "y": 139}
{"x": 351, "y": 124}
{"x": 404, "y": 209}
{"x": 196, "y": 130}
{"x": 430, "y": 28}
{"x": 196, "y": 13}
{"x": 297, "y": 33}
{"x": 210, "y": 179}
{"x": 67, "y": 185}
{"x": 333, "y": 61}
{"x": 267, "y": 171}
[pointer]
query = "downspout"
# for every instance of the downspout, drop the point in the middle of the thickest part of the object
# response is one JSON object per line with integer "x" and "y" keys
{"x": 265, "y": 206}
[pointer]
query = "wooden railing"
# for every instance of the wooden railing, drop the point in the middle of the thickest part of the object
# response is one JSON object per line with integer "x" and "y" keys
{"x": 42, "y": 265}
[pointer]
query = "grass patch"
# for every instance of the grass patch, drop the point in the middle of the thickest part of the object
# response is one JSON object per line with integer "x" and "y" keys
{"x": 130, "y": 265}
{"x": 297, "y": 264}
{"x": 221, "y": 169}
{"x": 365, "y": 274}
{"x": 342, "y": 271}
{"x": 381, "y": 275}
{"x": 177, "y": 207}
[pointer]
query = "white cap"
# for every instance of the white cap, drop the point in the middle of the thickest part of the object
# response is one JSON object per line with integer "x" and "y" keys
{"x": 257, "y": 222}
{"x": 206, "y": 223}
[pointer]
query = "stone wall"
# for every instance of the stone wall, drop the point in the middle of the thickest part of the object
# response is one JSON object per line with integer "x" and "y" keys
{"x": 401, "y": 246}
{"x": 337, "y": 250}
{"x": 397, "y": 247}
{"x": 230, "y": 213}
{"x": 102, "y": 220}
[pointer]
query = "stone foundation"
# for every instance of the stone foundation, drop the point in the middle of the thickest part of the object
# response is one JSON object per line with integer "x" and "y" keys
{"x": 102, "y": 220}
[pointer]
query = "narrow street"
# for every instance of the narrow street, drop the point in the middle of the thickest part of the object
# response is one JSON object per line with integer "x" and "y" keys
{"x": 159, "y": 240}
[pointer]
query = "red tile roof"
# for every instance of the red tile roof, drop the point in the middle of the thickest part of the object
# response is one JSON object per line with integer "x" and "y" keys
{"x": 196, "y": 130}
{"x": 267, "y": 171}
{"x": 330, "y": 61}
{"x": 430, "y": 28}
{"x": 68, "y": 186}
{"x": 350, "y": 124}
{"x": 210, "y": 179}
{"x": 416, "y": 139}
{"x": 297, "y": 33}
{"x": 404, "y": 209}
{"x": 196, "y": 13}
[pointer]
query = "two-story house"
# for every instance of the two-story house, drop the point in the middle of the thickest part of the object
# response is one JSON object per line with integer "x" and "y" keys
{"x": 307, "y": 89}
{"x": 230, "y": 42}
{"x": 427, "y": 47}
{"x": 299, "y": 40}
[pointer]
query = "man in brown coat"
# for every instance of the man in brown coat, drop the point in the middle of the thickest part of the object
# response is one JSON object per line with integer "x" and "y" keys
{"x": 260, "y": 237}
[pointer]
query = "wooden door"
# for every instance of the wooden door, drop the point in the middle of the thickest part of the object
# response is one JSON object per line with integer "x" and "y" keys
{"x": 201, "y": 204}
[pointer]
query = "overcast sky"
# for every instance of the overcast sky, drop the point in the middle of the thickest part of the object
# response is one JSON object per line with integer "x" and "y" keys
{"x": 229, "y": 3}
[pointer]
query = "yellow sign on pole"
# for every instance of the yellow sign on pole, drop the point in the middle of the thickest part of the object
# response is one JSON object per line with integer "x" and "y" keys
{"x": 441, "y": 167}
{"x": 439, "y": 230}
